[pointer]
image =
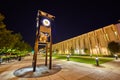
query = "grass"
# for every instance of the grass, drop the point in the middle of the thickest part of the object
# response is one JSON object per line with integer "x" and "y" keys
{"x": 84, "y": 59}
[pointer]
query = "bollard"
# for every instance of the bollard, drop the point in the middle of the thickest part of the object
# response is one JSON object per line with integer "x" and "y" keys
{"x": 68, "y": 56}
{"x": 19, "y": 58}
{"x": 116, "y": 56}
{"x": 97, "y": 61}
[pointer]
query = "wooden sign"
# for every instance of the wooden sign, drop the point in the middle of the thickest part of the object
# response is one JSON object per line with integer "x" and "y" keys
{"x": 45, "y": 29}
{"x": 43, "y": 37}
{"x": 46, "y": 15}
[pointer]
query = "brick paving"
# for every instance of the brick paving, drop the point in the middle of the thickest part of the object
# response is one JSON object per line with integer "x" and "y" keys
{"x": 70, "y": 70}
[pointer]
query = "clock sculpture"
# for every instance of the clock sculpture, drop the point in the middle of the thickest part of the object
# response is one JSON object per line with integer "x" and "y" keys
{"x": 43, "y": 37}
{"x": 46, "y": 22}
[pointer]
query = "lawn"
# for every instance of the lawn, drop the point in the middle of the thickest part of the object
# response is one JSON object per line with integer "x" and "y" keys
{"x": 84, "y": 59}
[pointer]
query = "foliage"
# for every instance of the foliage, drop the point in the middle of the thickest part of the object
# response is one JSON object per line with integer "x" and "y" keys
{"x": 2, "y": 25}
{"x": 57, "y": 50}
{"x": 86, "y": 50}
{"x": 114, "y": 47}
{"x": 10, "y": 42}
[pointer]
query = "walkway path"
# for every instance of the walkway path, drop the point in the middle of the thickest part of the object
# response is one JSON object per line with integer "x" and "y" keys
{"x": 70, "y": 70}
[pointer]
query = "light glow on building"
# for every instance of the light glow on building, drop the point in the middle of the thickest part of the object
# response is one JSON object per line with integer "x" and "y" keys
{"x": 94, "y": 42}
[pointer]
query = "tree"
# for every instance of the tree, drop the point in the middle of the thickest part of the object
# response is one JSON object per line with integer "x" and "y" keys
{"x": 4, "y": 33}
{"x": 86, "y": 50}
{"x": 2, "y": 25}
{"x": 114, "y": 47}
{"x": 11, "y": 42}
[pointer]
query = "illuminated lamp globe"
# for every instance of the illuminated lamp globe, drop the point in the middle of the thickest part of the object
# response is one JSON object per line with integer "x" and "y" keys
{"x": 46, "y": 22}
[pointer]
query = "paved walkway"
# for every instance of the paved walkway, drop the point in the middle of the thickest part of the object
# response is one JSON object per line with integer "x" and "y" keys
{"x": 70, "y": 70}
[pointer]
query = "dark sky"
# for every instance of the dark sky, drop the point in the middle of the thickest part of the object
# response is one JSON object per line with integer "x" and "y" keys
{"x": 73, "y": 17}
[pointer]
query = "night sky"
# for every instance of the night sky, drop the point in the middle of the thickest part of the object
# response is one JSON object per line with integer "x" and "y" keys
{"x": 73, "y": 17}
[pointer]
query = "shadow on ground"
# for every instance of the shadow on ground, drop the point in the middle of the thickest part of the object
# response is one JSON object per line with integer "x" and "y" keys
{"x": 41, "y": 70}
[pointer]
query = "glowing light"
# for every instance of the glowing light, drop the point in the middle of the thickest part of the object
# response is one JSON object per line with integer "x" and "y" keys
{"x": 115, "y": 33}
{"x": 43, "y": 37}
{"x": 60, "y": 51}
{"x": 66, "y": 51}
{"x": 82, "y": 51}
{"x": 46, "y": 22}
{"x": 77, "y": 51}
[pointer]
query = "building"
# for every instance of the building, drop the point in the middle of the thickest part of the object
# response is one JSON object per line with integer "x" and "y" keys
{"x": 94, "y": 42}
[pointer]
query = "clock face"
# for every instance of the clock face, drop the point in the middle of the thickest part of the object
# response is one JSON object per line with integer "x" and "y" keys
{"x": 46, "y": 22}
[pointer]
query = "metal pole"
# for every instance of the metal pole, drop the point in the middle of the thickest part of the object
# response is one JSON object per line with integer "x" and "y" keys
{"x": 50, "y": 64}
{"x": 46, "y": 57}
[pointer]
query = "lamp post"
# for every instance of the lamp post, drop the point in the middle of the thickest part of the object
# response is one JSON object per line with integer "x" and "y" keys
{"x": 97, "y": 61}
{"x": 68, "y": 57}
{"x": 116, "y": 56}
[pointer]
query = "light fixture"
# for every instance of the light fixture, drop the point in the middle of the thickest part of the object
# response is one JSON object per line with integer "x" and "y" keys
{"x": 46, "y": 22}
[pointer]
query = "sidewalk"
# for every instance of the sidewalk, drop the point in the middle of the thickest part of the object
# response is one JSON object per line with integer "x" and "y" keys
{"x": 69, "y": 71}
